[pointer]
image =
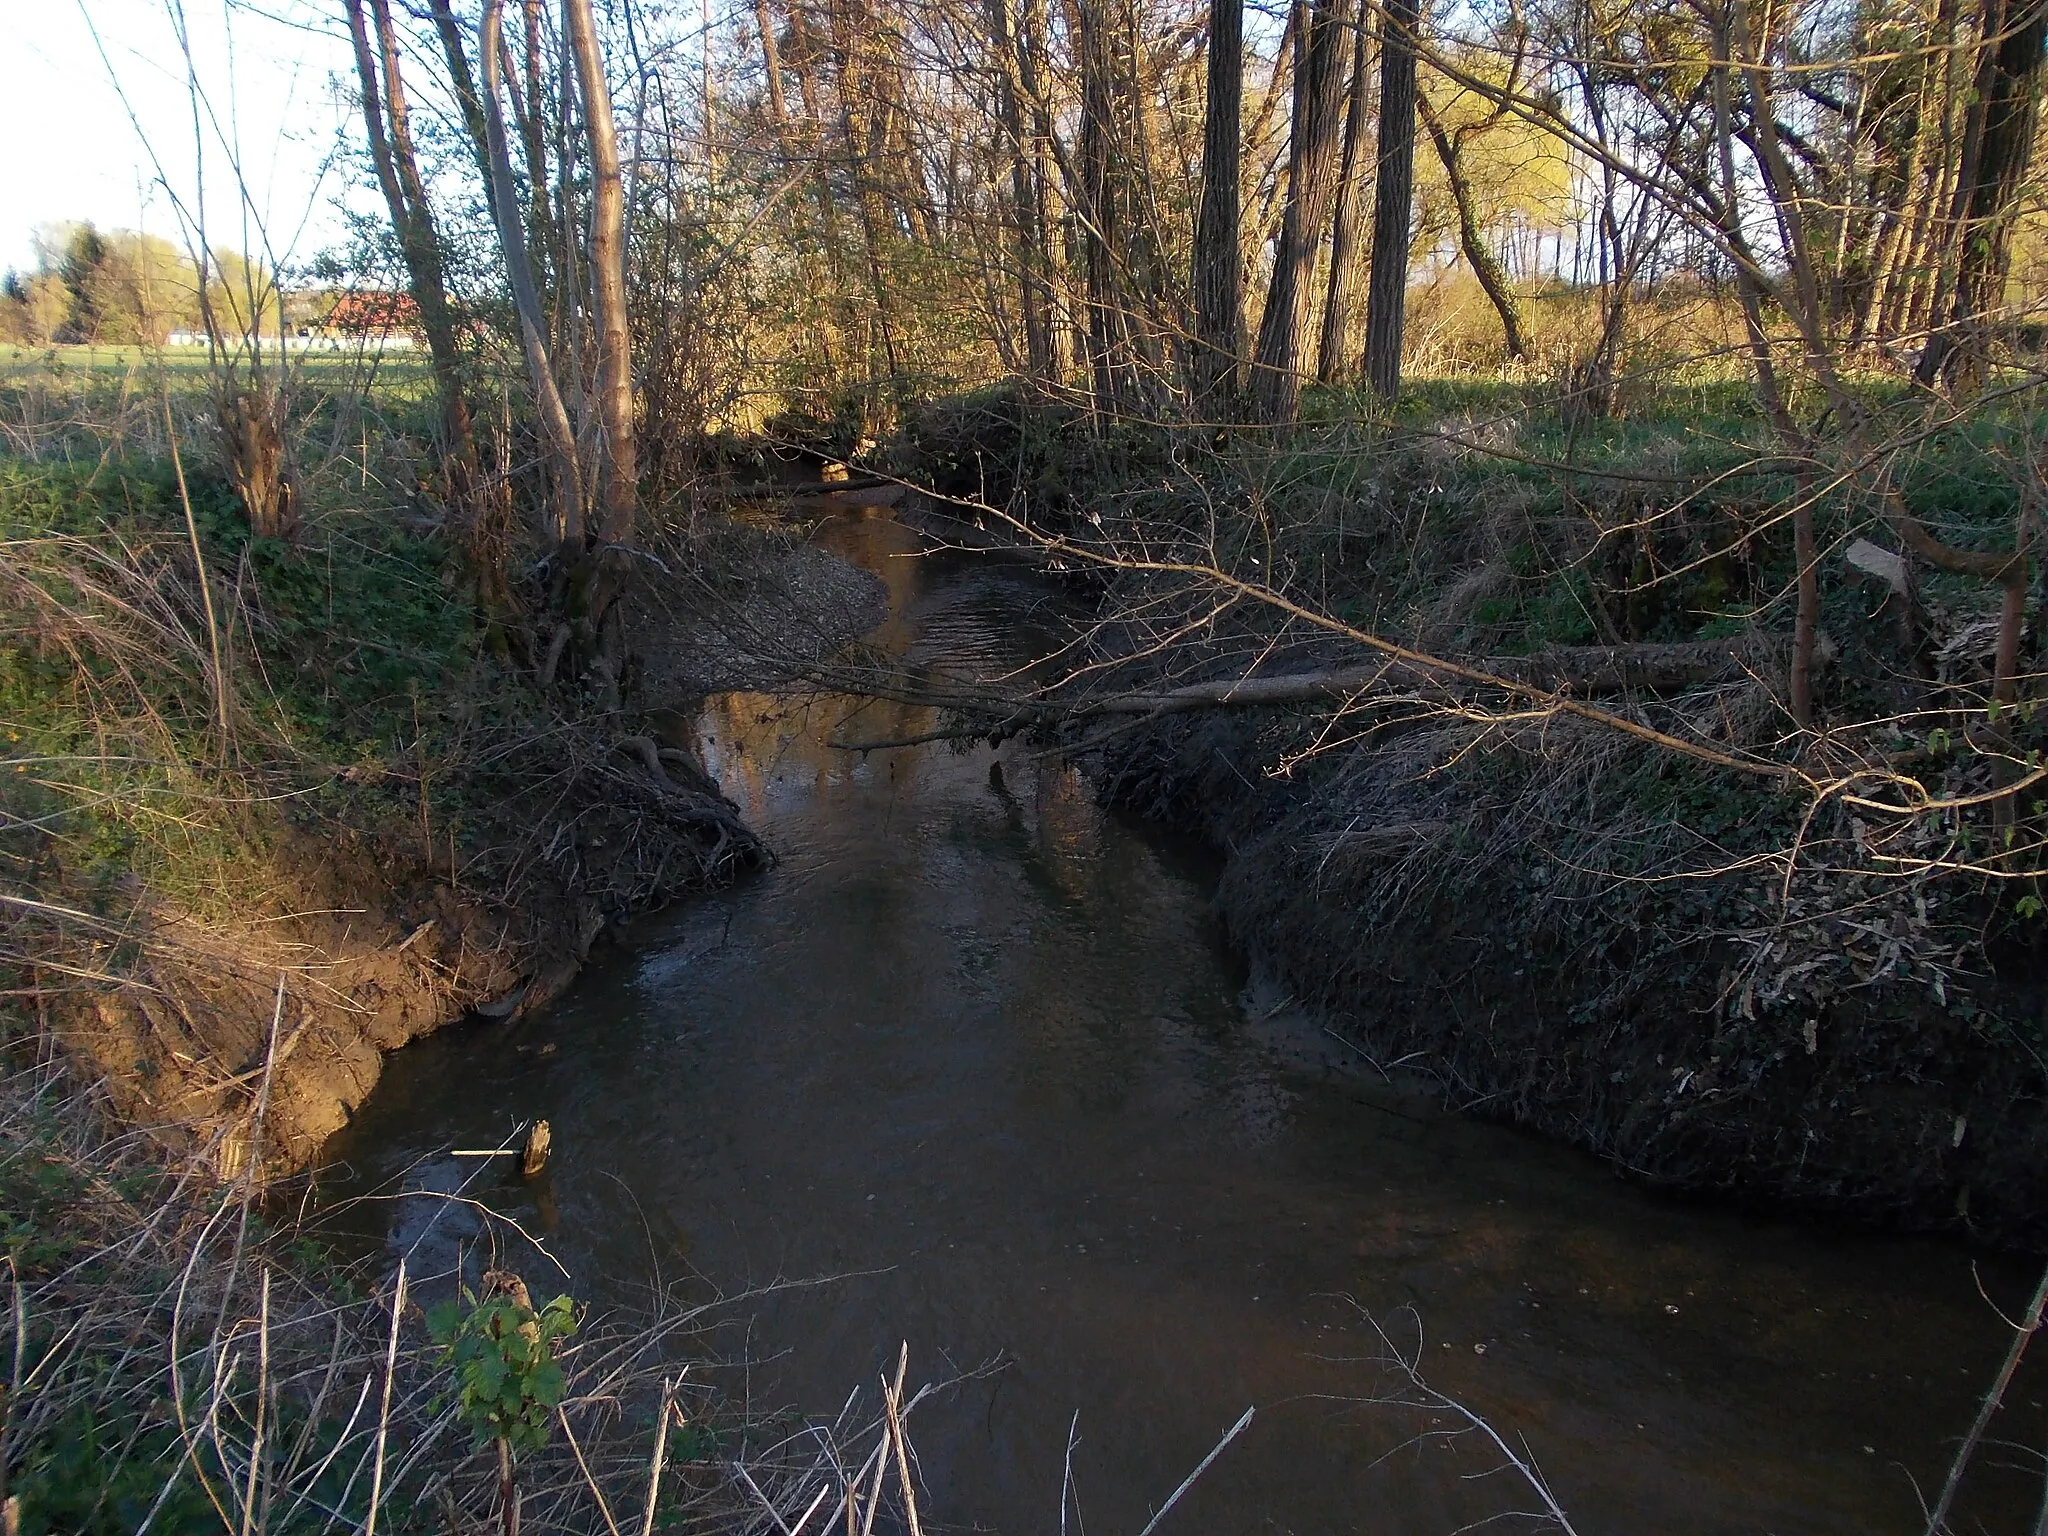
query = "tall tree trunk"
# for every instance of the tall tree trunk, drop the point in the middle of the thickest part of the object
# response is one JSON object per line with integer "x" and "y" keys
{"x": 771, "y": 70}
{"x": 1386, "y": 296}
{"x": 619, "y": 488}
{"x": 1962, "y": 137}
{"x": 860, "y": 150}
{"x": 464, "y": 83}
{"x": 1045, "y": 150}
{"x": 2008, "y": 99}
{"x": 793, "y": 155}
{"x": 1102, "y": 208}
{"x": 1219, "y": 256}
{"x": 564, "y": 474}
{"x": 1888, "y": 261}
{"x": 1331, "y": 357}
{"x": 533, "y": 131}
{"x": 1033, "y": 299}
{"x": 802, "y": 62}
{"x": 1471, "y": 239}
{"x": 1313, "y": 142}
{"x": 387, "y": 123}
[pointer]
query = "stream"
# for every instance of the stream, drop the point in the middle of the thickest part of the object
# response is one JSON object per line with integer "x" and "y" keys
{"x": 974, "y": 1058}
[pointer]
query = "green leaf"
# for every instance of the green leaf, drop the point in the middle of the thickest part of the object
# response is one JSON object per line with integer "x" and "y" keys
{"x": 548, "y": 1384}
{"x": 489, "y": 1376}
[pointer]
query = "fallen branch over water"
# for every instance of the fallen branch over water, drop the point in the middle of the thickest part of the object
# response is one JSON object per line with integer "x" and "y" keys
{"x": 1578, "y": 669}
{"x": 1558, "y": 670}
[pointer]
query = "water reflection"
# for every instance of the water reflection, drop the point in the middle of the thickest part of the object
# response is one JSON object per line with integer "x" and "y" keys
{"x": 975, "y": 1048}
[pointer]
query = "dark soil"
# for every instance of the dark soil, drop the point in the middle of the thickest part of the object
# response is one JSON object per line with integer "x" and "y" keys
{"x": 1886, "y": 1103}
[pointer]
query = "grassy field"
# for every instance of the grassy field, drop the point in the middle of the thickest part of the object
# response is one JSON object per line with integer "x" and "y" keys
{"x": 20, "y": 363}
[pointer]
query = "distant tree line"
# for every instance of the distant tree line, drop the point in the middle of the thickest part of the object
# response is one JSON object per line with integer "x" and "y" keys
{"x": 122, "y": 287}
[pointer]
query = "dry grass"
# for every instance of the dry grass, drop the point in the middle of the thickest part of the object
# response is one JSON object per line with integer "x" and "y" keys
{"x": 173, "y": 1363}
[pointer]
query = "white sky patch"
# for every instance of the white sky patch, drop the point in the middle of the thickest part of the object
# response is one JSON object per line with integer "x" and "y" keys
{"x": 102, "y": 138}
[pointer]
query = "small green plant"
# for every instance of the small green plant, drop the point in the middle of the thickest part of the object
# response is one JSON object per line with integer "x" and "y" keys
{"x": 501, "y": 1353}
{"x": 507, "y": 1379}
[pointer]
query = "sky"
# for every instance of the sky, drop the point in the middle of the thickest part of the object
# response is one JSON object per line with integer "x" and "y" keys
{"x": 108, "y": 136}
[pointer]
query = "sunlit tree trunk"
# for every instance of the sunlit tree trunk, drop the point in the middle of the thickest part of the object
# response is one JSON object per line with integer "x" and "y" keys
{"x": 1471, "y": 239}
{"x": 2008, "y": 88}
{"x": 1031, "y": 80}
{"x": 564, "y": 474}
{"x": 619, "y": 486}
{"x": 1104, "y": 233}
{"x": 1313, "y": 145}
{"x": 1386, "y": 296}
{"x": 1219, "y": 257}
{"x": 1961, "y": 135}
{"x": 387, "y": 124}
{"x": 854, "y": 86}
{"x": 1332, "y": 358}
{"x": 803, "y": 63}
{"x": 1034, "y": 304}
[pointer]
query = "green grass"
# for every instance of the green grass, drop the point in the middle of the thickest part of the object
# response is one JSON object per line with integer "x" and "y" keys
{"x": 187, "y": 364}
{"x": 346, "y": 651}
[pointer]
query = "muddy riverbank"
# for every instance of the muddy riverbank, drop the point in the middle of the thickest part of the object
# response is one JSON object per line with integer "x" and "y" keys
{"x": 362, "y": 906}
{"x": 1696, "y": 1034}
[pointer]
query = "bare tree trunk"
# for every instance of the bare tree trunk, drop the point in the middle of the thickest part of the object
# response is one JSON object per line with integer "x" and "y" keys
{"x": 1470, "y": 239}
{"x": 465, "y": 87}
{"x": 619, "y": 488}
{"x": 1045, "y": 149}
{"x": 2008, "y": 99}
{"x": 1331, "y": 356}
{"x": 1104, "y": 208}
{"x": 564, "y": 473}
{"x": 1386, "y": 295}
{"x": 1962, "y": 135}
{"x": 412, "y": 221}
{"x": 534, "y": 134}
{"x": 1311, "y": 184}
{"x": 793, "y": 151}
{"x": 1876, "y": 309}
{"x": 873, "y": 216}
{"x": 1219, "y": 257}
{"x": 771, "y": 70}
{"x": 1898, "y": 136}
{"x": 1033, "y": 298}
{"x": 391, "y": 153}
{"x": 803, "y": 63}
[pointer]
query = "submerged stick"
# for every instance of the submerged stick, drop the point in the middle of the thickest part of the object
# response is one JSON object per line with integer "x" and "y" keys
{"x": 1067, "y": 1476}
{"x": 1992, "y": 1399}
{"x": 1189, "y": 1481}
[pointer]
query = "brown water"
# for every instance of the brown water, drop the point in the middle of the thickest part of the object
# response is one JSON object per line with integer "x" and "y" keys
{"x": 975, "y": 1049}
